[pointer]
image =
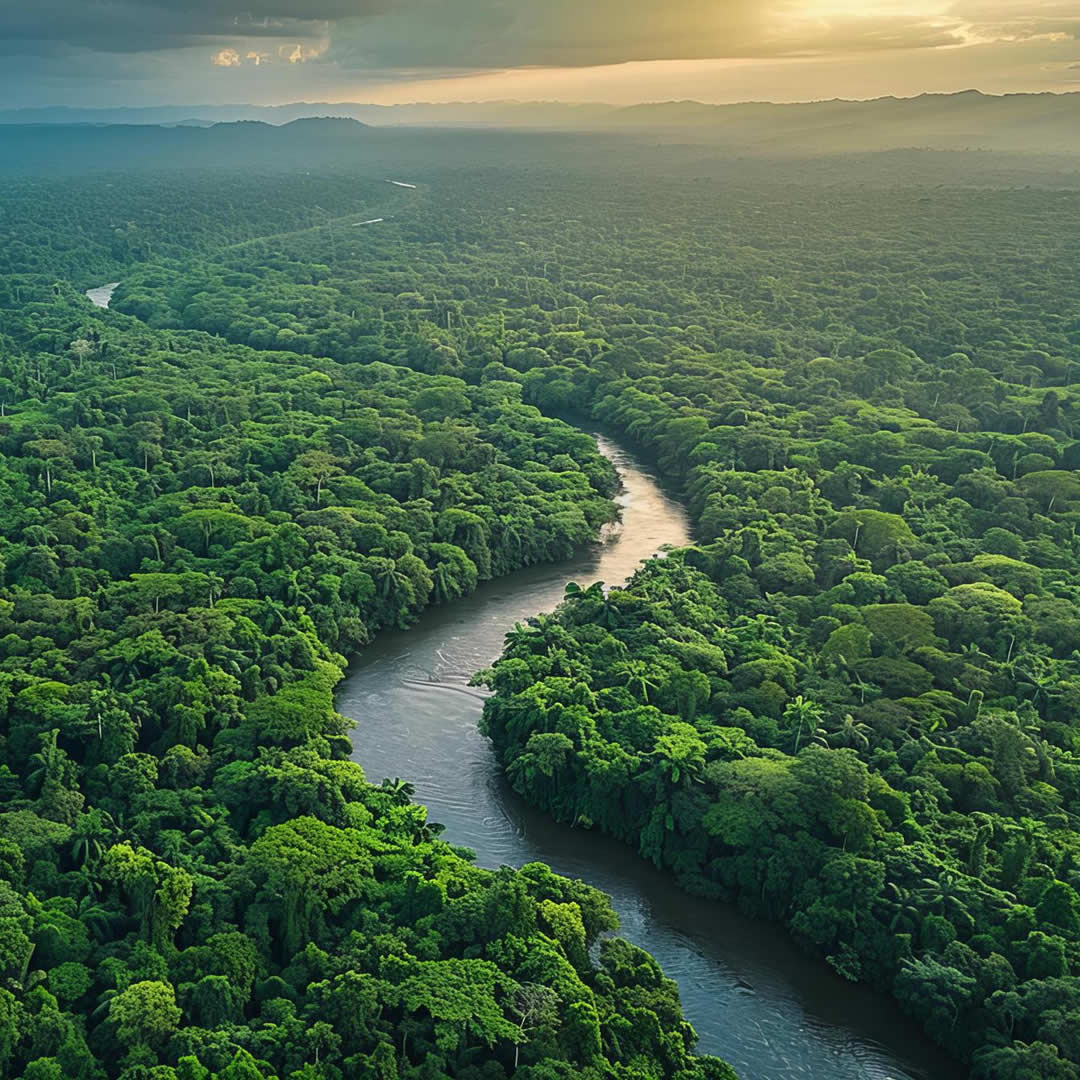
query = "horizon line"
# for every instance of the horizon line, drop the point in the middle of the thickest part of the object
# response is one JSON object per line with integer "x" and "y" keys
{"x": 971, "y": 91}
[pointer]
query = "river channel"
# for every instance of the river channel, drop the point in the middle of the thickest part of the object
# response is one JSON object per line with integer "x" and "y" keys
{"x": 755, "y": 999}
{"x": 102, "y": 296}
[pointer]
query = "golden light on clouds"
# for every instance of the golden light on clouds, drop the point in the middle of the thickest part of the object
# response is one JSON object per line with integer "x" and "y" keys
{"x": 298, "y": 54}
{"x": 856, "y": 9}
{"x": 295, "y": 53}
{"x": 570, "y": 50}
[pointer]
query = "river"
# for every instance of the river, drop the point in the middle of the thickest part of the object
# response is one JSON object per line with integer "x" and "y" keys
{"x": 755, "y": 999}
{"x": 102, "y": 295}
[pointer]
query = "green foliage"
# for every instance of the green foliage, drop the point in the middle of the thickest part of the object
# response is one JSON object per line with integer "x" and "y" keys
{"x": 193, "y": 884}
{"x": 851, "y": 707}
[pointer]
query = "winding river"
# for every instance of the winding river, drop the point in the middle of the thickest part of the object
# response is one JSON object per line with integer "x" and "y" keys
{"x": 754, "y": 999}
{"x": 102, "y": 296}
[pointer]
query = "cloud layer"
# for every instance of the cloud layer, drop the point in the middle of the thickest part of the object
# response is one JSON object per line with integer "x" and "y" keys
{"x": 120, "y": 26}
{"x": 487, "y": 34}
{"x": 262, "y": 49}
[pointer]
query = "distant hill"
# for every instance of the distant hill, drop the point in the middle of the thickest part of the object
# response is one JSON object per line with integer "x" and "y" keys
{"x": 325, "y": 125}
{"x": 556, "y": 115}
{"x": 303, "y": 127}
{"x": 964, "y": 121}
{"x": 1032, "y": 138}
{"x": 241, "y": 144}
{"x": 968, "y": 120}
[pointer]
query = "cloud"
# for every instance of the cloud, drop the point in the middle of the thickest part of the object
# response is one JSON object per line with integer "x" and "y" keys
{"x": 297, "y": 53}
{"x": 120, "y": 26}
{"x": 472, "y": 34}
{"x": 1006, "y": 20}
{"x": 357, "y": 40}
{"x": 493, "y": 34}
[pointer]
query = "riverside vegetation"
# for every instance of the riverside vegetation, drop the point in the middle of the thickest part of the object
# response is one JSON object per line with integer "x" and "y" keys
{"x": 194, "y": 880}
{"x": 850, "y": 706}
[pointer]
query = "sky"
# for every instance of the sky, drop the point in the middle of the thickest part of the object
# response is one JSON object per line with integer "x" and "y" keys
{"x": 157, "y": 52}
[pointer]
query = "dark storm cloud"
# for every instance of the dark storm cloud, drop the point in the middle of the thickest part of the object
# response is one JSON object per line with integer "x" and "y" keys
{"x": 463, "y": 34}
{"x": 117, "y": 26}
{"x": 384, "y": 38}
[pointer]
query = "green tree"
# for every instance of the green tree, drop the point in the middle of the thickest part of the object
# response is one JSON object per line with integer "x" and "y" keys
{"x": 146, "y": 1013}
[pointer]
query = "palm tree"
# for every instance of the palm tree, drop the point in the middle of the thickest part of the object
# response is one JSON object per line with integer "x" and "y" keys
{"x": 444, "y": 585}
{"x": 125, "y": 668}
{"x": 401, "y": 790}
{"x": 575, "y": 594}
{"x": 140, "y": 711}
{"x": 170, "y": 843}
{"x": 908, "y": 915}
{"x": 851, "y": 732}
{"x": 214, "y": 587}
{"x": 102, "y": 703}
{"x": 805, "y": 716}
{"x": 637, "y": 677}
{"x": 760, "y": 627}
{"x": 90, "y": 832}
{"x": 521, "y": 639}
{"x": 679, "y": 759}
{"x": 429, "y": 831}
{"x": 943, "y": 895}
{"x": 93, "y": 916}
{"x": 40, "y": 536}
{"x": 1040, "y": 681}
{"x": 972, "y": 654}
{"x": 727, "y": 639}
{"x": 533, "y": 1004}
{"x": 388, "y": 578}
{"x": 857, "y": 679}
{"x": 552, "y": 632}
{"x": 595, "y": 604}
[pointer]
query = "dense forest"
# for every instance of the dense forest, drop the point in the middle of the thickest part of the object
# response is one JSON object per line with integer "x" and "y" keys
{"x": 850, "y": 707}
{"x": 194, "y": 880}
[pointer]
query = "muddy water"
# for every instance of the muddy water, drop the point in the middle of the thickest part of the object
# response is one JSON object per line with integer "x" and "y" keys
{"x": 754, "y": 999}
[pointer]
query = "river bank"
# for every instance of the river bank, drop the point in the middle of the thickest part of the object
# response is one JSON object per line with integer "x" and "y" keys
{"x": 756, "y": 1000}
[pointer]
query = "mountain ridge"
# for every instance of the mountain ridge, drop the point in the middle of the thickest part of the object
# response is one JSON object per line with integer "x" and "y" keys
{"x": 967, "y": 120}
{"x": 187, "y": 113}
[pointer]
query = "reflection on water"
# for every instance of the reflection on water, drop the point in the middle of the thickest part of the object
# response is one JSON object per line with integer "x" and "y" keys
{"x": 754, "y": 999}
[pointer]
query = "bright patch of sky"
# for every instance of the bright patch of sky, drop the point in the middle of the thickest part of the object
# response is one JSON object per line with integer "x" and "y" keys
{"x": 115, "y": 52}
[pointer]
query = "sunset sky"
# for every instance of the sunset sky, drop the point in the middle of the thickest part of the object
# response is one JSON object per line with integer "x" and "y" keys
{"x": 150, "y": 52}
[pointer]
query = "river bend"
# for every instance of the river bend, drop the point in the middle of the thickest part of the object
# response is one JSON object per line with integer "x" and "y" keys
{"x": 754, "y": 998}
